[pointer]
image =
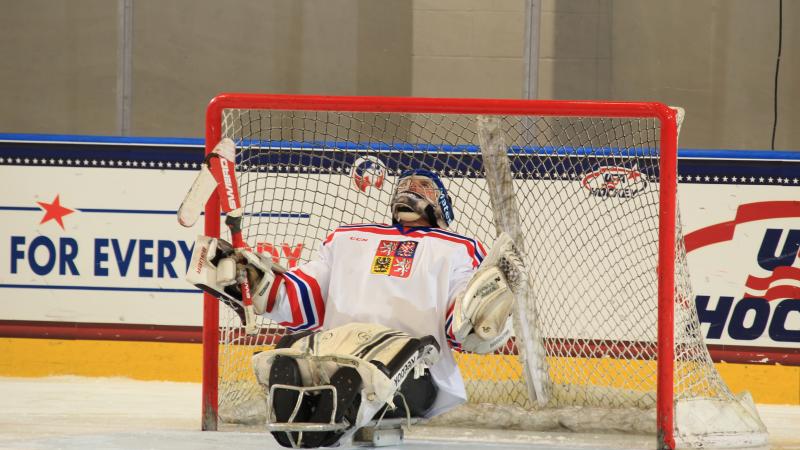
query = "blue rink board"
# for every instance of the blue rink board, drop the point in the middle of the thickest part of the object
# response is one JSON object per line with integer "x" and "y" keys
{"x": 757, "y": 167}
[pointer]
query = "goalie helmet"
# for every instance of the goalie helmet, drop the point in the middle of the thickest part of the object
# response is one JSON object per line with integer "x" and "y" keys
{"x": 418, "y": 194}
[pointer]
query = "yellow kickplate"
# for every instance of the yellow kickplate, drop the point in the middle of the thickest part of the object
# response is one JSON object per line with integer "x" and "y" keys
{"x": 183, "y": 362}
{"x": 138, "y": 360}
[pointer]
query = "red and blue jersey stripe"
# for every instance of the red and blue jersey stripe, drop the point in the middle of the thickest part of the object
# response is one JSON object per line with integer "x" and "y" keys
{"x": 448, "y": 329}
{"x": 305, "y": 300}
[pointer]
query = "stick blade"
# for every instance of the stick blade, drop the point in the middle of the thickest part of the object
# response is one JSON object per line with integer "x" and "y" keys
{"x": 195, "y": 201}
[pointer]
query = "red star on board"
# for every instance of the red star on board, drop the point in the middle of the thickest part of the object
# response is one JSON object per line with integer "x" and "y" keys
{"x": 54, "y": 211}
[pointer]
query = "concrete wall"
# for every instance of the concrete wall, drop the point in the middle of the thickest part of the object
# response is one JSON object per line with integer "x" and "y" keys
{"x": 58, "y": 59}
{"x": 336, "y": 47}
{"x": 58, "y": 66}
{"x": 468, "y": 48}
{"x": 716, "y": 58}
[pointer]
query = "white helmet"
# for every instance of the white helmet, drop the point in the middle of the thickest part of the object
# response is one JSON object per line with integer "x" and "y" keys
{"x": 420, "y": 193}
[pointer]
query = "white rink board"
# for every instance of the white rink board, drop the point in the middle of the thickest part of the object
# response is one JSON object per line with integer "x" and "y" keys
{"x": 122, "y": 240}
{"x": 124, "y": 194}
{"x": 722, "y": 269}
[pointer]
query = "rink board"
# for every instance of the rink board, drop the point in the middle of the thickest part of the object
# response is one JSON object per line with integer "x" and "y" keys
{"x": 91, "y": 240}
{"x": 775, "y": 384}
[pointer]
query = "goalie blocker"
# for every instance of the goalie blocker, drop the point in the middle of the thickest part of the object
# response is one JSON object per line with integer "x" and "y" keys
{"x": 323, "y": 386}
{"x": 220, "y": 269}
{"x": 218, "y": 172}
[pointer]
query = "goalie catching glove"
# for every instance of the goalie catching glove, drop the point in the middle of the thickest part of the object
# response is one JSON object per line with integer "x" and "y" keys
{"x": 219, "y": 269}
{"x": 482, "y": 312}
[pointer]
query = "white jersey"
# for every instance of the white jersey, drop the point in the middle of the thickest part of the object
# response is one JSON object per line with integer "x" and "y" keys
{"x": 401, "y": 278}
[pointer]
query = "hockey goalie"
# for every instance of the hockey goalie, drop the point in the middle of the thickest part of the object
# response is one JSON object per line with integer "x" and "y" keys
{"x": 369, "y": 317}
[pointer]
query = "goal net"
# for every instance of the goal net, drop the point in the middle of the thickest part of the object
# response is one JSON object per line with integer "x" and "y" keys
{"x": 607, "y": 328}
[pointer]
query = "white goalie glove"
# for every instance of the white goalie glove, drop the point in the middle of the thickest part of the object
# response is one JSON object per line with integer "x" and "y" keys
{"x": 217, "y": 268}
{"x": 482, "y": 312}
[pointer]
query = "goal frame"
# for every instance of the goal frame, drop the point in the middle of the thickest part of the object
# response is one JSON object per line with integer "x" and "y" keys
{"x": 667, "y": 206}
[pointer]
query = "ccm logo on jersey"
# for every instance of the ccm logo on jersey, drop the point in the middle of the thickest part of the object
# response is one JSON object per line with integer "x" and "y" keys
{"x": 394, "y": 258}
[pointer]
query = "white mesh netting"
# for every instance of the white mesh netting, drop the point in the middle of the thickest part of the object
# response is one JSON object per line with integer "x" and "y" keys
{"x": 587, "y": 204}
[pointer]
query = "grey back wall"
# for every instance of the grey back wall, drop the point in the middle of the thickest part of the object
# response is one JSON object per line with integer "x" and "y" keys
{"x": 60, "y": 61}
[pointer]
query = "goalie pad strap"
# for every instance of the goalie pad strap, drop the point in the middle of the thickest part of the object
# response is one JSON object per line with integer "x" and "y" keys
{"x": 375, "y": 344}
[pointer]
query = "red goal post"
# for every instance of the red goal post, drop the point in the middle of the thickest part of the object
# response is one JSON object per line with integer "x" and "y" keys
{"x": 667, "y": 168}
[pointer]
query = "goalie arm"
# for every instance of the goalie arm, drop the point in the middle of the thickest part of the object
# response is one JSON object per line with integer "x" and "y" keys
{"x": 294, "y": 298}
{"x": 479, "y": 315}
{"x": 297, "y": 300}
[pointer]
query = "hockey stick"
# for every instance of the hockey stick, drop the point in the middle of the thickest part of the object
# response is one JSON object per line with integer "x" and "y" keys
{"x": 500, "y": 184}
{"x": 218, "y": 172}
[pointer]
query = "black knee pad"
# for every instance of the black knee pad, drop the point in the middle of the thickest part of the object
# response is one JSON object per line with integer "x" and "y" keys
{"x": 286, "y": 371}
{"x": 348, "y": 383}
{"x": 317, "y": 408}
{"x": 419, "y": 395}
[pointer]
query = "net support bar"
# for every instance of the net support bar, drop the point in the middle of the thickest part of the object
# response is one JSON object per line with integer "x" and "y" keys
{"x": 666, "y": 280}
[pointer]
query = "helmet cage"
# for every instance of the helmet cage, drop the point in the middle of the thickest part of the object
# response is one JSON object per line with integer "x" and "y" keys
{"x": 431, "y": 202}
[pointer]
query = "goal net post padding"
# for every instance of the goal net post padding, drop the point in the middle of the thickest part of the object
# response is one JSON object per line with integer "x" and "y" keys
{"x": 586, "y": 189}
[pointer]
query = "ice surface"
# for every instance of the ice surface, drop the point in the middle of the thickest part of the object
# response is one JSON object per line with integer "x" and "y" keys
{"x": 115, "y": 413}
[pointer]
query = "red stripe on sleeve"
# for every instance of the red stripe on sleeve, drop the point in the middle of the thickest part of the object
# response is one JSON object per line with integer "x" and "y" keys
{"x": 481, "y": 248}
{"x": 294, "y": 302}
{"x": 448, "y": 316}
{"x": 273, "y": 291}
{"x": 451, "y": 337}
{"x": 316, "y": 293}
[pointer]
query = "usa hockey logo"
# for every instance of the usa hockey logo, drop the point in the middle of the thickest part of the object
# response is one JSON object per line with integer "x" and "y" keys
{"x": 614, "y": 181}
{"x": 762, "y": 267}
{"x": 368, "y": 171}
{"x": 783, "y": 280}
{"x": 394, "y": 258}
